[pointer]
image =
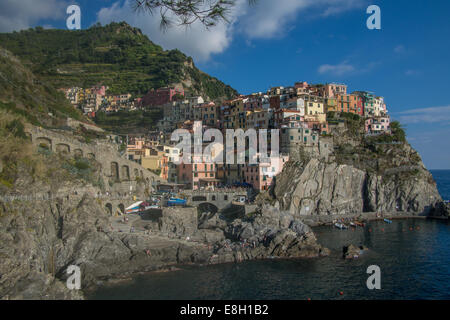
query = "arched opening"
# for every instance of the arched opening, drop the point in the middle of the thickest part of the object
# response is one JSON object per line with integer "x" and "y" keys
{"x": 44, "y": 143}
{"x": 115, "y": 171}
{"x": 63, "y": 148}
{"x": 108, "y": 208}
{"x": 125, "y": 174}
{"x": 207, "y": 207}
{"x": 199, "y": 198}
{"x": 121, "y": 208}
{"x": 213, "y": 198}
{"x": 136, "y": 173}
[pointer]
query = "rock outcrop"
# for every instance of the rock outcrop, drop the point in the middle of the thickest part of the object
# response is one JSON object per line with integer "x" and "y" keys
{"x": 353, "y": 252}
{"x": 328, "y": 188}
{"x": 39, "y": 240}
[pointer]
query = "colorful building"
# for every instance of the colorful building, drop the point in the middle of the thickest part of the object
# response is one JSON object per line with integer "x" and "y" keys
{"x": 261, "y": 176}
{"x": 161, "y": 96}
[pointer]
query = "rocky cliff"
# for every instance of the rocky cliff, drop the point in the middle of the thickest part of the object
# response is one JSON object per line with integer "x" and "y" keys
{"x": 361, "y": 174}
{"x": 40, "y": 239}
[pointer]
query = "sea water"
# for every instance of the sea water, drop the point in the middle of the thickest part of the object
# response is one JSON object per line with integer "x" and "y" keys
{"x": 413, "y": 256}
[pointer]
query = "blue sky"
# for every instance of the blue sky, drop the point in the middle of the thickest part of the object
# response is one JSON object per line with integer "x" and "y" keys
{"x": 284, "y": 41}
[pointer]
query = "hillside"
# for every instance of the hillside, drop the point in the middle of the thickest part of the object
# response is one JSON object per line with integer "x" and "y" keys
{"x": 116, "y": 55}
{"x": 27, "y": 95}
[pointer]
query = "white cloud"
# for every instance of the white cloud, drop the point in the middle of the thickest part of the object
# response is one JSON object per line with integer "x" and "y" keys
{"x": 194, "y": 40}
{"x": 425, "y": 115}
{"x": 338, "y": 70}
{"x": 345, "y": 68}
{"x": 18, "y": 15}
{"x": 399, "y": 49}
{"x": 266, "y": 19}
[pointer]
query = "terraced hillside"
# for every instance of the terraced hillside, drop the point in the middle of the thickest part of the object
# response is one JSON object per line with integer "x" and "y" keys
{"x": 116, "y": 55}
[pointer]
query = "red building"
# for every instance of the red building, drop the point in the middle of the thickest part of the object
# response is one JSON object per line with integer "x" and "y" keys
{"x": 161, "y": 96}
{"x": 275, "y": 102}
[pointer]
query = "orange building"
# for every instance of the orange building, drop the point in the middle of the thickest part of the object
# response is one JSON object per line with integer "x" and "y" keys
{"x": 350, "y": 103}
{"x": 197, "y": 175}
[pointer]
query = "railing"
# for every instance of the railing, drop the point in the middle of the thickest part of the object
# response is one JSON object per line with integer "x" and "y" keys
{"x": 47, "y": 196}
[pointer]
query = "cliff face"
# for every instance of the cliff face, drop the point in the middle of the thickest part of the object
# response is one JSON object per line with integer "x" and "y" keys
{"x": 40, "y": 239}
{"x": 395, "y": 180}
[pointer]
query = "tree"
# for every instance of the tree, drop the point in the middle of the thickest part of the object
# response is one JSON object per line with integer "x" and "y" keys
{"x": 398, "y": 131}
{"x": 186, "y": 12}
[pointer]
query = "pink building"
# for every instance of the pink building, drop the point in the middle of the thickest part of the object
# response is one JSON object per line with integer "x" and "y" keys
{"x": 378, "y": 125}
{"x": 100, "y": 90}
{"x": 198, "y": 175}
{"x": 261, "y": 175}
{"x": 331, "y": 90}
{"x": 136, "y": 143}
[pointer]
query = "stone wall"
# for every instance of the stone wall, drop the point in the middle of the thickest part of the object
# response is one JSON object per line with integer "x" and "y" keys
{"x": 121, "y": 175}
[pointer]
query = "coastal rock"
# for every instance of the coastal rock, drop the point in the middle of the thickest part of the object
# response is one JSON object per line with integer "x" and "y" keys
{"x": 179, "y": 221}
{"x": 271, "y": 233}
{"x": 322, "y": 188}
{"x": 353, "y": 252}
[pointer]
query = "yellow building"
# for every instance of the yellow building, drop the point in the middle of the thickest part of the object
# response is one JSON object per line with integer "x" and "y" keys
{"x": 331, "y": 105}
{"x": 153, "y": 160}
{"x": 314, "y": 105}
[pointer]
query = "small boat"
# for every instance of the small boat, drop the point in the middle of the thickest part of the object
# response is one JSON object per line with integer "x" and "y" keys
{"x": 173, "y": 202}
{"x": 134, "y": 208}
{"x": 387, "y": 221}
{"x": 352, "y": 224}
{"x": 340, "y": 226}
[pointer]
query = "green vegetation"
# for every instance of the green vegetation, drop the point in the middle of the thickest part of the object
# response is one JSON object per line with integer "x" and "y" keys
{"x": 124, "y": 122}
{"x": 116, "y": 55}
{"x": 31, "y": 98}
{"x": 156, "y": 171}
{"x": 398, "y": 133}
{"x": 15, "y": 149}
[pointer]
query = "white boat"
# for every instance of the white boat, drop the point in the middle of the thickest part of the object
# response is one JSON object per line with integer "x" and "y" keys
{"x": 134, "y": 205}
{"x": 340, "y": 226}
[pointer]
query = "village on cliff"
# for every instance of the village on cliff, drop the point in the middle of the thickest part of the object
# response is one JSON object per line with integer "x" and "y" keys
{"x": 304, "y": 113}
